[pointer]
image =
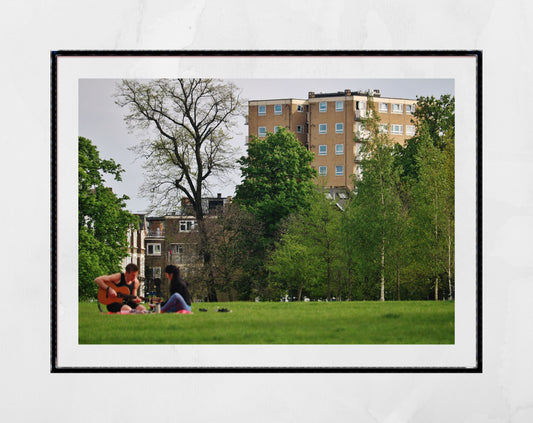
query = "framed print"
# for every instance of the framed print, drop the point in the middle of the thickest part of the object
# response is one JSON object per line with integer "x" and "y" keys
{"x": 330, "y": 319}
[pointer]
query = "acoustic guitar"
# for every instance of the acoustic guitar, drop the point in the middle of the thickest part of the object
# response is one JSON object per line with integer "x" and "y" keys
{"x": 123, "y": 293}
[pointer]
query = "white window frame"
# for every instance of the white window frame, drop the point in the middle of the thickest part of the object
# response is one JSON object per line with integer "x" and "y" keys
{"x": 396, "y": 129}
{"x": 322, "y": 128}
{"x": 322, "y": 171}
{"x": 383, "y": 108}
{"x": 299, "y": 108}
{"x": 323, "y": 150}
{"x": 410, "y": 129}
{"x": 276, "y": 129}
{"x": 339, "y": 129}
{"x": 339, "y": 170}
{"x": 276, "y": 106}
{"x": 383, "y": 128}
{"x": 261, "y": 110}
{"x": 187, "y": 225}
{"x": 323, "y": 106}
{"x": 339, "y": 149}
{"x": 299, "y": 128}
{"x": 155, "y": 247}
{"x": 397, "y": 108}
{"x": 261, "y": 133}
{"x": 339, "y": 106}
{"x": 409, "y": 109}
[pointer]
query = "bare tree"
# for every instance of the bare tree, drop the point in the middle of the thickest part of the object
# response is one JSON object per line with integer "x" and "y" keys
{"x": 189, "y": 123}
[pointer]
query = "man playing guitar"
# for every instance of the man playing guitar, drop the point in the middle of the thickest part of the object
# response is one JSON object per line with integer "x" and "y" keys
{"x": 111, "y": 284}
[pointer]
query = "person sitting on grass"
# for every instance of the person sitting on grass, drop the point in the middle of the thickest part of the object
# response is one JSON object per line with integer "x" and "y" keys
{"x": 180, "y": 299}
{"x": 127, "y": 279}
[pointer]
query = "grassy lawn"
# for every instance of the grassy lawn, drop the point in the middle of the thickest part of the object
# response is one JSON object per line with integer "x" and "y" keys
{"x": 416, "y": 322}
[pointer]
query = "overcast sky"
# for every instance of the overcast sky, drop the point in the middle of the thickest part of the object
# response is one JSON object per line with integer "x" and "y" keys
{"x": 101, "y": 120}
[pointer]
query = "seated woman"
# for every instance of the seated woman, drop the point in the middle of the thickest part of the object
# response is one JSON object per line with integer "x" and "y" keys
{"x": 180, "y": 299}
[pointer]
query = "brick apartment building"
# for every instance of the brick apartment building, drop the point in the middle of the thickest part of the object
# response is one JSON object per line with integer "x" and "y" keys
{"x": 327, "y": 123}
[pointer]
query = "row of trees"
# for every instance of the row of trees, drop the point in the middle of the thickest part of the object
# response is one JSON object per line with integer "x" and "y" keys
{"x": 393, "y": 239}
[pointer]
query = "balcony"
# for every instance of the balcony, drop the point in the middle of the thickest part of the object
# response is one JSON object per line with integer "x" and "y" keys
{"x": 157, "y": 233}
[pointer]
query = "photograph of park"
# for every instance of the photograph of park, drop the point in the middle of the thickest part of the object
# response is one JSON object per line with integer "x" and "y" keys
{"x": 340, "y": 230}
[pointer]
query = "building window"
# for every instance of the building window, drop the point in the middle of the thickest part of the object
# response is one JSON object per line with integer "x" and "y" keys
{"x": 383, "y": 107}
{"x": 262, "y": 131}
{"x": 153, "y": 249}
{"x": 277, "y": 109}
{"x": 396, "y": 108}
{"x": 187, "y": 225}
{"x": 299, "y": 128}
{"x": 383, "y": 128}
{"x": 339, "y": 128}
{"x": 156, "y": 272}
{"x": 322, "y": 150}
{"x": 262, "y": 110}
{"x": 396, "y": 129}
{"x": 322, "y": 170}
{"x": 339, "y": 106}
{"x": 409, "y": 109}
{"x": 339, "y": 170}
{"x": 323, "y": 128}
{"x": 409, "y": 129}
{"x": 339, "y": 149}
{"x": 276, "y": 129}
{"x": 323, "y": 106}
{"x": 300, "y": 108}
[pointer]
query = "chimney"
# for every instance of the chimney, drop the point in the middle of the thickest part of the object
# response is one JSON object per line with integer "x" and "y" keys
{"x": 347, "y": 92}
{"x": 311, "y": 94}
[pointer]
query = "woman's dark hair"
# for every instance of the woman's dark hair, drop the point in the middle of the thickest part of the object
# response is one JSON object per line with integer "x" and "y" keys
{"x": 177, "y": 284}
{"x": 173, "y": 270}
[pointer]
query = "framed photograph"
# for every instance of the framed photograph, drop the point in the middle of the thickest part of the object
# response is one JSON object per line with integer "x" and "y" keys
{"x": 86, "y": 102}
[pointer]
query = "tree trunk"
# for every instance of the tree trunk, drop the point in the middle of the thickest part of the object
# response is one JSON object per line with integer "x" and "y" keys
{"x": 206, "y": 255}
{"x": 382, "y": 298}
{"x": 450, "y": 295}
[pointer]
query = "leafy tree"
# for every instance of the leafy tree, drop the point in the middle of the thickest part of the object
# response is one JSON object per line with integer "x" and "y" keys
{"x": 377, "y": 203}
{"x": 277, "y": 178}
{"x": 102, "y": 220}
{"x": 292, "y": 266}
{"x": 229, "y": 235}
{"x": 309, "y": 254}
{"x": 436, "y": 119}
{"x": 432, "y": 211}
{"x": 188, "y": 122}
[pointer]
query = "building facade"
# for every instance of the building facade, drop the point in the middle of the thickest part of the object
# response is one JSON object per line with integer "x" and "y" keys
{"x": 136, "y": 250}
{"x": 329, "y": 125}
{"x": 173, "y": 239}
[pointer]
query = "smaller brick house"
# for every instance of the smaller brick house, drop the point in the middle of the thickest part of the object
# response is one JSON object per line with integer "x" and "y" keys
{"x": 173, "y": 239}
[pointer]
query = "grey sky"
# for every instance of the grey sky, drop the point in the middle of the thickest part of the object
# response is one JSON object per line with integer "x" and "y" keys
{"x": 101, "y": 120}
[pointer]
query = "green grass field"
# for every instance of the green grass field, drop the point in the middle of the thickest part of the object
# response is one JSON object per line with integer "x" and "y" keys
{"x": 417, "y": 322}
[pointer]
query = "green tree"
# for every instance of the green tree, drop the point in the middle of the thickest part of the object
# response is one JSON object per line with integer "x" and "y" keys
{"x": 277, "y": 178}
{"x": 102, "y": 220}
{"x": 292, "y": 267}
{"x": 188, "y": 122}
{"x": 309, "y": 255}
{"x": 377, "y": 205}
{"x": 426, "y": 163}
{"x": 436, "y": 119}
{"x": 432, "y": 212}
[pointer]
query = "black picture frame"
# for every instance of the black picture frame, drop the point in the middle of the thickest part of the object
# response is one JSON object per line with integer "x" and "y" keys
{"x": 56, "y": 56}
